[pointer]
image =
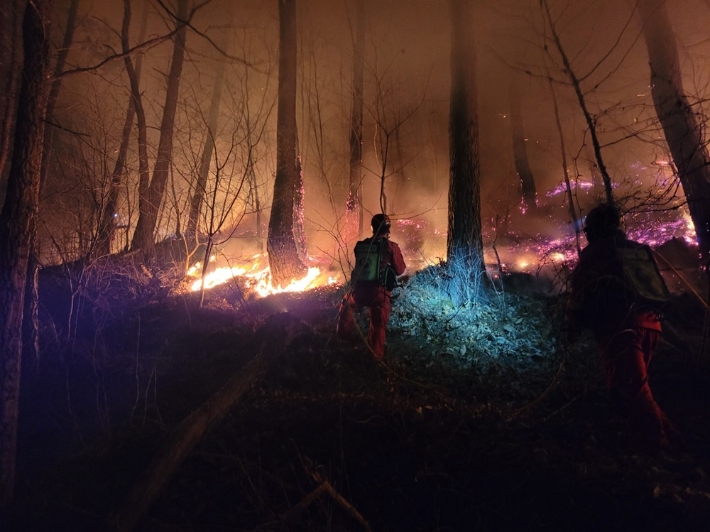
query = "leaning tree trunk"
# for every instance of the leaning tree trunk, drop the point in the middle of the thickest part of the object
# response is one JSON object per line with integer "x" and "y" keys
{"x": 682, "y": 127}
{"x": 16, "y": 225}
{"x": 281, "y": 243}
{"x": 353, "y": 205}
{"x": 150, "y": 205}
{"x": 107, "y": 225}
{"x": 465, "y": 239}
{"x": 520, "y": 152}
{"x": 206, "y": 159}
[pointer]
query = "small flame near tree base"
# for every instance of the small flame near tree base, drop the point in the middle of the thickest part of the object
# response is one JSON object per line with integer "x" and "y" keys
{"x": 257, "y": 278}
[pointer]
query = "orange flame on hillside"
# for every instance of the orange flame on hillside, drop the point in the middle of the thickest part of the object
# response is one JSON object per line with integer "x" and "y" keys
{"x": 257, "y": 278}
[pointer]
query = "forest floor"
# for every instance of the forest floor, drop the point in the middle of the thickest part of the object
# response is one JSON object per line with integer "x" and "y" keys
{"x": 480, "y": 417}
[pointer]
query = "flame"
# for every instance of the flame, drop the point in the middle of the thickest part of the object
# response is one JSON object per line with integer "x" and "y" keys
{"x": 520, "y": 251}
{"x": 265, "y": 288}
{"x": 219, "y": 276}
{"x": 257, "y": 278}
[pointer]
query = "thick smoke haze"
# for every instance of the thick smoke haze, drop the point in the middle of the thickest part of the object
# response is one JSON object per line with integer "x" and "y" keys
{"x": 406, "y": 106}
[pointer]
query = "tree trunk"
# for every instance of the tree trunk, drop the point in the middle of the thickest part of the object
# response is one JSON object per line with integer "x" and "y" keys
{"x": 57, "y": 86}
{"x": 206, "y": 159}
{"x": 353, "y": 205}
{"x": 150, "y": 204}
{"x": 30, "y": 320}
{"x": 299, "y": 220}
{"x": 107, "y": 225}
{"x": 563, "y": 156}
{"x": 9, "y": 45}
{"x": 16, "y": 225}
{"x": 142, "y": 129}
{"x": 465, "y": 239}
{"x": 520, "y": 152}
{"x": 682, "y": 127}
{"x": 256, "y": 201}
{"x": 281, "y": 244}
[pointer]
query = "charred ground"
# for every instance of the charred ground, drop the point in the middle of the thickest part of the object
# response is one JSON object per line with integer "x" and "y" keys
{"x": 480, "y": 417}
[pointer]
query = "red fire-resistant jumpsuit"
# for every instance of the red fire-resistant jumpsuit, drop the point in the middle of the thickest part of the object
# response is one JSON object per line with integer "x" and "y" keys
{"x": 626, "y": 336}
{"x": 374, "y": 296}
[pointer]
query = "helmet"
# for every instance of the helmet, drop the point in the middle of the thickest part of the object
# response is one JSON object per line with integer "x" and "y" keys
{"x": 381, "y": 224}
{"x": 602, "y": 221}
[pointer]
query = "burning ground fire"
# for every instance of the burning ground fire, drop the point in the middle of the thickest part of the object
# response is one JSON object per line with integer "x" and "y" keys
{"x": 515, "y": 252}
{"x": 529, "y": 252}
{"x": 257, "y": 278}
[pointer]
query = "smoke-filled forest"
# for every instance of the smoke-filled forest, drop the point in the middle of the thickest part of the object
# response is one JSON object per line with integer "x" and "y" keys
{"x": 354, "y": 265}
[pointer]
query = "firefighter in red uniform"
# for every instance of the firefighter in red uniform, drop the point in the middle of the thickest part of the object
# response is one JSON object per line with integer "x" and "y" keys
{"x": 625, "y": 331}
{"x": 375, "y": 295}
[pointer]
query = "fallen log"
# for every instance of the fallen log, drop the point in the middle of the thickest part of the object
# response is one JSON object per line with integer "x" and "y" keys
{"x": 273, "y": 338}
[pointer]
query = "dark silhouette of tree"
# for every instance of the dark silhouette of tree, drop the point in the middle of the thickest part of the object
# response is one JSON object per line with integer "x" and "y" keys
{"x": 10, "y": 14}
{"x": 520, "y": 151}
{"x": 354, "y": 201}
{"x": 465, "y": 239}
{"x": 206, "y": 157}
{"x": 30, "y": 321}
{"x": 107, "y": 225}
{"x": 17, "y": 224}
{"x": 682, "y": 127}
{"x": 151, "y": 199}
{"x": 576, "y": 85}
{"x": 281, "y": 246}
{"x": 565, "y": 172}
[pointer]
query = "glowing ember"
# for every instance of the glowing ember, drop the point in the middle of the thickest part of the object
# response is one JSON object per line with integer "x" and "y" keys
{"x": 562, "y": 187}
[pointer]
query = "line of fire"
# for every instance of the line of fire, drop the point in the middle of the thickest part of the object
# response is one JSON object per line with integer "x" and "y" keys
{"x": 337, "y": 265}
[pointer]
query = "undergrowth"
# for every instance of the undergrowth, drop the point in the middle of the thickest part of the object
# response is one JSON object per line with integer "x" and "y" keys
{"x": 473, "y": 326}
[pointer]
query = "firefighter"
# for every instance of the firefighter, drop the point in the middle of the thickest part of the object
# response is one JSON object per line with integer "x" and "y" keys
{"x": 626, "y": 328}
{"x": 374, "y": 291}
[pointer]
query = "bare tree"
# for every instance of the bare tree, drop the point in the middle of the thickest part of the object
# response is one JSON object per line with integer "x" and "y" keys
{"x": 565, "y": 172}
{"x": 465, "y": 239}
{"x": 30, "y": 322}
{"x": 682, "y": 127}
{"x": 107, "y": 224}
{"x": 576, "y": 85}
{"x": 391, "y": 111}
{"x": 281, "y": 246}
{"x": 206, "y": 158}
{"x": 17, "y": 224}
{"x": 152, "y": 198}
{"x": 141, "y": 126}
{"x": 10, "y": 14}
{"x": 353, "y": 206}
{"x": 520, "y": 152}
{"x": 221, "y": 199}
